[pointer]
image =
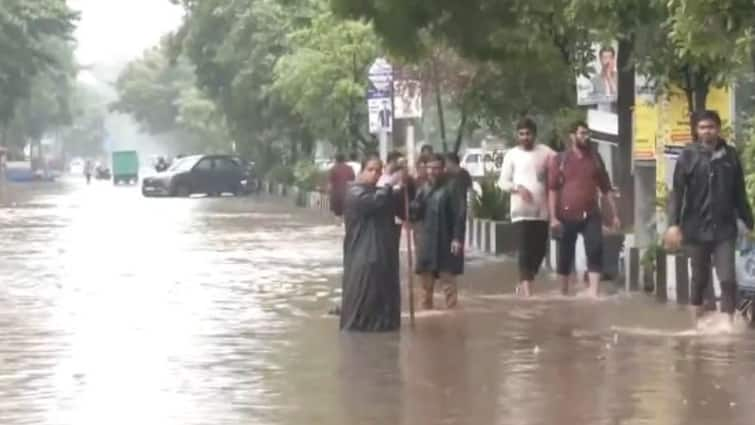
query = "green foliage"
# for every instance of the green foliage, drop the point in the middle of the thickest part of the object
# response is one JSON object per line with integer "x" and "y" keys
{"x": 650, "y": 256}
{"x": 661, "y": 195}
{"x": 748, "y": 160}
{"x": 161, "y": 94}
{"x": 281, "y": 174}
{"x": 308, "y": 177}
{"x": 492, "y": 203}
{"x": 27, "y": 29}
{"x": 323, "y": 77}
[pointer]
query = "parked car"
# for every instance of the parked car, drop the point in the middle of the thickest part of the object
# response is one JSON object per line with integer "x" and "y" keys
{"x": 198, "y": 174}
{"x": 76, "y": 167}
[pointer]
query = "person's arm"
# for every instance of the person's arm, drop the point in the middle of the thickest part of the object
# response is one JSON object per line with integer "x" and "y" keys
{"x": 606, "y": 189}
{"x": 458, "y": 207}
{"x": 744, "y": 209}
{"x": 417, "y": 206}
{"x": 367, "y": 202}
{"x": 506, "y": 180}
{"x": 678, "y": 189}
{"x": 553, "y": 187}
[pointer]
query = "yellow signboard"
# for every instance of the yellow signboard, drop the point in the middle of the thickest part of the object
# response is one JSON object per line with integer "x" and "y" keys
{"x": 674, "y": 115}
{"x": 645, "y": 131}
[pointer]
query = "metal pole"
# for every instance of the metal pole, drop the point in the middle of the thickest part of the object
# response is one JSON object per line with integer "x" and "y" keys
{"x": 410, "y": 148}
{"x": 383, "y": 139}
{"x": 410, "y": 255}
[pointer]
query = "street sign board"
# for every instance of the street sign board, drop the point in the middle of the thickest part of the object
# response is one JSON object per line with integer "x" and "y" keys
{"x": 381, "y": 115}
{"x": 380, "y": 75}
{"x": 407, "y": 99}
{"x": 379, "y": 97}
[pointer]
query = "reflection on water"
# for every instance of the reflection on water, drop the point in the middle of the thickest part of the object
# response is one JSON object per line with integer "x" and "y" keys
{"x": 120, "y": 310}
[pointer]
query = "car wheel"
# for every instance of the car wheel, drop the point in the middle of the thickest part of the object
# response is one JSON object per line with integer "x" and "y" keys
{"x": 182, "y": 190}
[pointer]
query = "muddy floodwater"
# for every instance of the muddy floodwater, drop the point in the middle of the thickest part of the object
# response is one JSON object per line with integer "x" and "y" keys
{"x": 115, "y": 309}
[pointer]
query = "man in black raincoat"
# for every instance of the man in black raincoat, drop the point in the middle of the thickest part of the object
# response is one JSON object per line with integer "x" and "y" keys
{"x": 371, "y": 291}
{"x": 442, "y": 210}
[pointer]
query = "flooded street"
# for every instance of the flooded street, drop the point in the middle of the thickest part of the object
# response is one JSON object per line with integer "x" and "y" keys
{"x": 116, "y": 309}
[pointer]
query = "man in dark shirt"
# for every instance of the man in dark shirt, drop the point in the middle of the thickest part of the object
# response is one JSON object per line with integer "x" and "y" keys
{"x": 459, "y": 178}
{"x": 708, "y": 197}
{"x": 575, "y": 179}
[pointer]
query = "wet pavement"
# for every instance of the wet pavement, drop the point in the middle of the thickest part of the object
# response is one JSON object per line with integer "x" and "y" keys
{"x": 115, "y": 309}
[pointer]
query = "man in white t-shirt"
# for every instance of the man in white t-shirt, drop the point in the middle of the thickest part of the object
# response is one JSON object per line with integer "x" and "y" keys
{"x": 524, "y": 175}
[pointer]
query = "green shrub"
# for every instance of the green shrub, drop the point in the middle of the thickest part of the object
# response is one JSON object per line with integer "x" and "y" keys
{"x": 308, "y": 177}
{"x": 281, "y": 174}
{"x": 492, "y": 203}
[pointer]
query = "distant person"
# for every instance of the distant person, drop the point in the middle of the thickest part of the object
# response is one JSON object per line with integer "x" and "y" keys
{"x": 709, "y": 196}
{"x": 459, "y": 178}
{"x": 161, "y": 165}
{"x": 354, "y": 163}
{"x": 575, "y": 178}
{"x": 371, "y": 286}
{"x": 426, "y": 150}
{"x": 341, "y": 174}
{"x": 523, "y": 174}
{"x": 88, "y": 170}
{"x": 605, "y": 83}
{"x": 443, "y": 215}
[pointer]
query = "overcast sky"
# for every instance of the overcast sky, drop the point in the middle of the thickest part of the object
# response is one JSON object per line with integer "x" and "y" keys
{"x": 112, "y": 32}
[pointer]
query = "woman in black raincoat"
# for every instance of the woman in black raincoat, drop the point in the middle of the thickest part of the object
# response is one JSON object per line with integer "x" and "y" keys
{"x": 371, "y": 288}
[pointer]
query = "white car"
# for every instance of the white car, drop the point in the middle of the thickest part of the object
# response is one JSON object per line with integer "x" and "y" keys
{"x": 478, "y": 162}
{"x": 76, "y": 166}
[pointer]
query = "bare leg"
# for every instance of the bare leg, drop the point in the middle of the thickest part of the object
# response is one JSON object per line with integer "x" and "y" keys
{"x": 525, "y": 288}
{"x": 594, "y": 287}
{"x": 428, "y": 286}
{"x": 450, "y": 289}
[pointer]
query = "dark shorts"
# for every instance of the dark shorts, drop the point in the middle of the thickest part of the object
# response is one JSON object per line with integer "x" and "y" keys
{"x": 533, "y": 243}
{"x": 591, "y": 229}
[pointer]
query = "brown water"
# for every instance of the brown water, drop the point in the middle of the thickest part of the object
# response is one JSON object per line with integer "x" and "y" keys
{"x": 116, "y": 309}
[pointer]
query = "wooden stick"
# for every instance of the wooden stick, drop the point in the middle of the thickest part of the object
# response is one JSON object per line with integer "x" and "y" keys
{"x": 410, "y": 255}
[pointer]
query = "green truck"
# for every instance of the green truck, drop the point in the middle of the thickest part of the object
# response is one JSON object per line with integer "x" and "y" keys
{"x": 125, "y": 167}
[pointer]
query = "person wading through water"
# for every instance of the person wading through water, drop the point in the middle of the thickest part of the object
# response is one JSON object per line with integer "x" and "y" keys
{"x": 371, "y": 291}
{"x": 708, "y": 198}
{"x": 575, "y": 178}
{"x": 442, "y": 210}
{"x": 341, "y": 174}
{"x": 523, "y": 174}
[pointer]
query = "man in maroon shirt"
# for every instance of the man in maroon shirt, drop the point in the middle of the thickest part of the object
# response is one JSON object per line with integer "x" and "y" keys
{"x": 340, "y": 176}
{"x": 575, "y": 179}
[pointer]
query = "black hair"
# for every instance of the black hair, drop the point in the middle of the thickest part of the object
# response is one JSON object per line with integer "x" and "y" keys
{"x": 369, "y": 157}
{"x": 451, "y": 157}
{"x": 427, "y": 149}
{"x": 527, "y": 123}
{"x": 606, "y": 49}
{"x": 436, "y": 157}
{"x": 707, "y": 115}
{"x": 576, "y": 125}
{"x": 340, "y": 157}
{"x": 393, "y": 156}
{"x": 353, "y": 156}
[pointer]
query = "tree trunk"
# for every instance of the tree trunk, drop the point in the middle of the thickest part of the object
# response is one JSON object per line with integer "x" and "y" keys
{"x": 460, "y": 132}
{"x": 702, "y": 87}
{"x": 439, "y": 103}
{"x": 622, "y": 157}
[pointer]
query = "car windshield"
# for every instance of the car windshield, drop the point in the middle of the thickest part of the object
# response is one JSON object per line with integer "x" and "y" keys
{"x": 184, "y": 164}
